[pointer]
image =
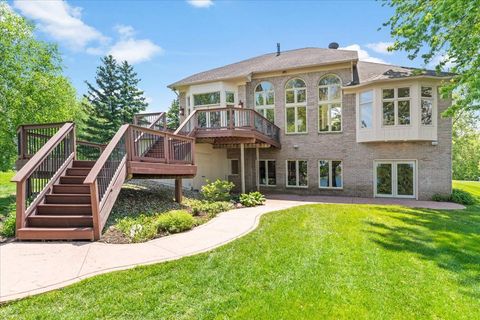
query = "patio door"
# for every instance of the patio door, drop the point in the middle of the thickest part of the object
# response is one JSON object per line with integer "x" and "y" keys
{"x": 396, "y": 178}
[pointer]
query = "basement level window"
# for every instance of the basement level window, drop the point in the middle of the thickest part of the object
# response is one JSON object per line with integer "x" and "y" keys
{"x": 234, "y": 167}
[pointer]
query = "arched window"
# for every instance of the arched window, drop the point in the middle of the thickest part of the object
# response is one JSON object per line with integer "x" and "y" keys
{"x": 330, "y": 104}
{"x": 265, "y": 100}
{"x": 296, "y": 106}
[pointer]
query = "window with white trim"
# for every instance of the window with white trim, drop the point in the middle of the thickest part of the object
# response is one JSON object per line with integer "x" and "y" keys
{"x": 206, "y": 99}
{"x": 267, "y": 174}
{"x": 396, "y": 106}
{"x": 296, "y": 106}
{"x": 330, "y": 104}
{"x": 366, "y": 109}
{"x": 297, "y": 173}
{"x": 330, "y": 174}
{"x": 265, "y": 100}
{"x": 426, "y": 106}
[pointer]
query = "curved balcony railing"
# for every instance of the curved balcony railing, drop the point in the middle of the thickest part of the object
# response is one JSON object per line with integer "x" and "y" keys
{"x": 228, "y": 119}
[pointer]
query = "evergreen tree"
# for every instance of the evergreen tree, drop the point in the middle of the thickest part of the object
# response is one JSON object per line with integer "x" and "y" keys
{"x": 113, "y": 101}
{"x": 105, "y": 113}
{"x": 173, "y": 115}
{"x": 132, "y": 100}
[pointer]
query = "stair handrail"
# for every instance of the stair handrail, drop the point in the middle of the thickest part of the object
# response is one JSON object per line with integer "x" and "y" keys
{"x": 100, "y": 194}
{"x": 185, "y": 122}
{"x": 40, "y": 160}
{"x": 161, "y": 116}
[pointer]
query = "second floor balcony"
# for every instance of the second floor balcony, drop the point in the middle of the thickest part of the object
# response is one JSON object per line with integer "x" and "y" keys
{"x": 230, "y": 126}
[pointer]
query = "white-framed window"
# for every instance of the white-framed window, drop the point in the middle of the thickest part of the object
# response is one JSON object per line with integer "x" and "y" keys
{"x": 396, "y": 106}
{"x": 330, "y": 174}
{"x": 297, "y": 173}
{"x": 234, "y": 167}
{"x": 206, "y": 99}
{"x": 395, "y": 178}
{"x": 265, "y": 100}
{"x": 267, "y": 173}
{"x": 229, "y": 97}
{"x": 330, "y": 104}
{"x": 426, "y": 105}
{"x": 296, "y": 106}
{"x": 366, "y": 109}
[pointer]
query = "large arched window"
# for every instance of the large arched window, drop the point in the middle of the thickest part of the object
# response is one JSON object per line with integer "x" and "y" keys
{"x": 296, "y": 106}
{"x": 265, "y": 100}
{"x": 330, "y": 104}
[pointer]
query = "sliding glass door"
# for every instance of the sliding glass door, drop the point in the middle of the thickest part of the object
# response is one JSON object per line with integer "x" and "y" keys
{"x": 395, "y": 179}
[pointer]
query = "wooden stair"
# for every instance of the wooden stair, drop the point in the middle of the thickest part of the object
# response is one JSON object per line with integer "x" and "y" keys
{"x": 66, "y": 213}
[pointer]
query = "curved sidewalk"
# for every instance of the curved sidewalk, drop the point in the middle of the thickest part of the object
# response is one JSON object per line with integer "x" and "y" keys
{"x": 28, "y": 268}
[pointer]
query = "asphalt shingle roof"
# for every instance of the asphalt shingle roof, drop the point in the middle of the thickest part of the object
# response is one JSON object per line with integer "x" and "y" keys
{"x": 298, "y": 58}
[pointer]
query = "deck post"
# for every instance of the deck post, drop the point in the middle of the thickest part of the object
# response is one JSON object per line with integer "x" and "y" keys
{"x": 178, "y": 190}
{"x": 257, "y": 167}
{"x": 242, "y": 165}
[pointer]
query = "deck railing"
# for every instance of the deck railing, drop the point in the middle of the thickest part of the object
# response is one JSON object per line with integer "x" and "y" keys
{"x": 89, "y": 150}
{"x": 154, "y": 120}
{"x": 32, "y": 137}
{"x": 43, "y": 169}
{"x": 223, "y": 119}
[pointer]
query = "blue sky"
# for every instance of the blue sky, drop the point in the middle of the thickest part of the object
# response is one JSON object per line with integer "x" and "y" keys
{"x": 168, "y": 40}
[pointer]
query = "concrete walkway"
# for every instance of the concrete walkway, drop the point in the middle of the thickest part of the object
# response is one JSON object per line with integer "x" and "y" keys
{"x": 28, "y": 268}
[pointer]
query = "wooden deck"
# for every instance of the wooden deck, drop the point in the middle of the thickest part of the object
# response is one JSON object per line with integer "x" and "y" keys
{"x": 67, "y": 188}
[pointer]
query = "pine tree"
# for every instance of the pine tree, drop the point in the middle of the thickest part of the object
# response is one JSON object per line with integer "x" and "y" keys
{"x": 113, "y": 101}
{"x": 132, "y": 100}
{"x": 173, "y": 115}
{"x": 105, "y": 116}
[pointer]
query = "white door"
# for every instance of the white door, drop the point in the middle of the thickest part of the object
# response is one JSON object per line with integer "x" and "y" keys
{"x": 395, "y": 178}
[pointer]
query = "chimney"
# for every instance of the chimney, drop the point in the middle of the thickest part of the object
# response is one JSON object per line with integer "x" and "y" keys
{"x": 278, "y": 49}
{"x": 333, "y": 45}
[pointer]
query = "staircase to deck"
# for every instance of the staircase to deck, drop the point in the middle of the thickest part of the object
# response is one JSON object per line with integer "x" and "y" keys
{"x": 66, "y": 188}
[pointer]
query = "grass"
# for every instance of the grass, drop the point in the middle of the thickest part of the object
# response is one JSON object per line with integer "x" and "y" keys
{"x": 7, "y": 200}
{"x": 309, "y": 262}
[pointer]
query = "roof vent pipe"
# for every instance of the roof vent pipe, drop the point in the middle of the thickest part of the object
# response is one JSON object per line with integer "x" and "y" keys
{"x": 278, "y": 49}
{"x": 333, "y": 45}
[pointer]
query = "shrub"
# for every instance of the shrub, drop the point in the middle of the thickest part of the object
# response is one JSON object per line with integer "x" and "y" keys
{"x": 138, "y": 229}
{"x": 175, "y": 221}
{"x": 252, "y": 199}
{"x": 462, "y": 197}
{"x": 457, "y": 196}
{"x": 211, "y": 209}
{"x": 8, "y": 228}
{"x": 219, "y": 190}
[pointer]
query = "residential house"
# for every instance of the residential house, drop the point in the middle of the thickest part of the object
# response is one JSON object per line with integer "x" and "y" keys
{"x": 319, "y": 121}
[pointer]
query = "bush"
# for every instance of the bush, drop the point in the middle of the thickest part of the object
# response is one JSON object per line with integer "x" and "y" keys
{"x": 138, "y": 229}
{"x": 457, "y": 196}
{"x": 175, "y": 221}
{"x": 219, "y": 190}
{"x": 8, "y": 228}
{"x": 211, "y": 209}
{"x": 252, "y": 199}
{"x": 462, "y": 197}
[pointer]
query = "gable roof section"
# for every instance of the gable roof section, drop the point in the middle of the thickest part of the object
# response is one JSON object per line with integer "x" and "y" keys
{"x": 299, "y": 58}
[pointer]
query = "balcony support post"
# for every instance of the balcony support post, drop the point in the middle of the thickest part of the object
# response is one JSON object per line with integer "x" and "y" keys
{"x": 178, "y": 190}
{"x": 257, "y": 167}
{"x": 242, "y": 165}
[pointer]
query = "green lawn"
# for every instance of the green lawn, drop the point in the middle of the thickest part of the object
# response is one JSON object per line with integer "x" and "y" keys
{"x": 309, "y": 262}
{"x": 7, "y": 197}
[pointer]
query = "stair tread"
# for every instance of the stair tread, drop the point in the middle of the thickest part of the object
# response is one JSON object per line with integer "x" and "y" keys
{"x": 64, "y": 204}
{"x": 58, "y": 216}
{"x": 59, "y": 229}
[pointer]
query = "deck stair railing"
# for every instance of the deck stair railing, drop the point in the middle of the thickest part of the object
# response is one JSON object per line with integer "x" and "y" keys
{"x": 38, "y": 175}
{"x": 48, "y": 164}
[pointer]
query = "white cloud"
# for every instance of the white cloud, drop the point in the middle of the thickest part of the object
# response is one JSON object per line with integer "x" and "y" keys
{"x": 380, "y": 47}
{"x": 363, "y": 54}
{"x": 442, "y": 58}
{"x": 62, "y": 22}
{"x": 131, "y": 49}
{"x": 201, "y": 3}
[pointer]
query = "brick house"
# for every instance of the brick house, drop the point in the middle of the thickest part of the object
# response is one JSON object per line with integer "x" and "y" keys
{"x": 319, "y": 121}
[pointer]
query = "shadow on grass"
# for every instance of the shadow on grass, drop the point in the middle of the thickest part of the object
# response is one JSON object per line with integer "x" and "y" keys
{"x": 451, "y": 239}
